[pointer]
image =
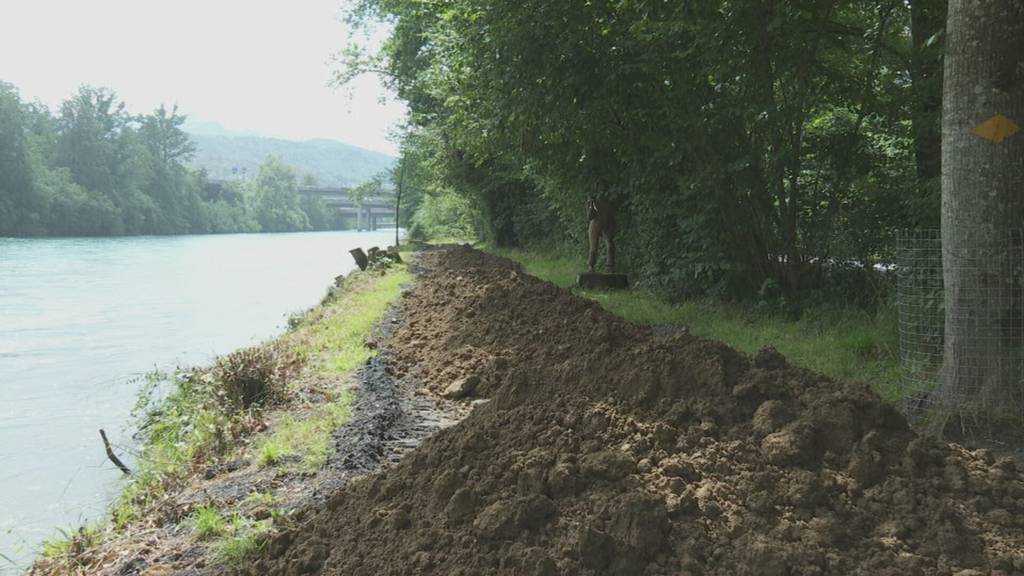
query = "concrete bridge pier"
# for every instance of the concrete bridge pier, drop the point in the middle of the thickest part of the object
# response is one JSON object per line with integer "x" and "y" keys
{"x": 366, "y": 218}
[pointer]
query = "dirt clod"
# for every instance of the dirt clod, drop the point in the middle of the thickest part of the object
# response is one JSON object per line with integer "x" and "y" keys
{"x": 461, "y": 388}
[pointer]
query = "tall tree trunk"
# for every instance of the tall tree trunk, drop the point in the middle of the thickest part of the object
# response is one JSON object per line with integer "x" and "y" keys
{"x": 927, "y": 22}
{"x": 398, "y": 199}
{"x": 982, "y": 202}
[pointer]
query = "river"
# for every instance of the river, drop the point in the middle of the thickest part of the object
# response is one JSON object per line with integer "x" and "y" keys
{"x": 82, "y": 319}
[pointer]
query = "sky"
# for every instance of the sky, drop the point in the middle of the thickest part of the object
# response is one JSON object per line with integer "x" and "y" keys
{"x": 259, "y": 66}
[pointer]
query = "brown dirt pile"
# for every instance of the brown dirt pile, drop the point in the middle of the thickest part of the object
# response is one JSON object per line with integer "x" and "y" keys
{"x": 608, "y": 448}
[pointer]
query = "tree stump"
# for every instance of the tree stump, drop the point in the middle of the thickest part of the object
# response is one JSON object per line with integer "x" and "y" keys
{"x": 602, "y": 281}
{"x": 360, "y": 257}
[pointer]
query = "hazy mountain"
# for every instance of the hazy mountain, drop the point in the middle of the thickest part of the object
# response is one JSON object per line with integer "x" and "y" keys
{"x": 225, "y": 154}
{"x": 209, "y": 128}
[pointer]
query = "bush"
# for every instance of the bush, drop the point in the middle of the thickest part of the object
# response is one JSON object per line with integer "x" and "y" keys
{"x": 254, "y": 375}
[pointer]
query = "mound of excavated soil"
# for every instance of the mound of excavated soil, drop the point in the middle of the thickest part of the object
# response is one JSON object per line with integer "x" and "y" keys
{"x": 607, "y": 448}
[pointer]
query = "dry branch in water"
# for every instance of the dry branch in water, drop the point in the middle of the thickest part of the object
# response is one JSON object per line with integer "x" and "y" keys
{"x": 113, "y": 457}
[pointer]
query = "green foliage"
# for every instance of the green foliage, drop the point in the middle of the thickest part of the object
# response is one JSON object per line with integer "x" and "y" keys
{"x": 744, "y": 143}
{"x": 336, "y": 345}
{"x": 94, "y": 169}
{"x": 307, "y": 439}
{"x": 367, "y": 189}
{"x": 264, "y": 499}
{"x": 245, "y": 537}
{"x": 271, "y": 451}
{"x": 207, "y": 523}
{"x": 67, "y": 545}
{"x": 192, "y": 418}
{"x": 445, "y": 214}
{"x": 234, "y": 538}
{"x": 275, "y": 192}
{"x": 317, "y": 212}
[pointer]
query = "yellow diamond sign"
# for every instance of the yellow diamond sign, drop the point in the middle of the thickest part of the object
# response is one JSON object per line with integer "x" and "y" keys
{"x": 997, "y": 128}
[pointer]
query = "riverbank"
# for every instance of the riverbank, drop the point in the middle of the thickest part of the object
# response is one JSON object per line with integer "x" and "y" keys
{"x": 602, "y": 446}
{"x": 83, "y": 320}
{"x": 509, "y": 426}
{"x": 231, "y": 451}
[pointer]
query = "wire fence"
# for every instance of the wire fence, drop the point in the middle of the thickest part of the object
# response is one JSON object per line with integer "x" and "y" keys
{"x": 976, "y": 380}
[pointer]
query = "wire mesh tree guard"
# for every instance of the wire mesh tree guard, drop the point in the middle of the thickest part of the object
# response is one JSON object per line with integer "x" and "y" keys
{"x": 979, "y": 391}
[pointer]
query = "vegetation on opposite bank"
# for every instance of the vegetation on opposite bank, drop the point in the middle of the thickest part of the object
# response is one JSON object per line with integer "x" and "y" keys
{"x": 92, "y": 169}
{"x": 848, "y": 343}
{"x": 264, "y": 412}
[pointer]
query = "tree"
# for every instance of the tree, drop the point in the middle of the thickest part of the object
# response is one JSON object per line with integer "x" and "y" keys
{"x": 20, "y": 206}
{"x": 90, "y": 123}
{"x": 276, "y": 197}
{"x": 166, "y": 178}
{"x": 360, "y": 193}
{"x": 752, "y": 143}
{"x": 162, "y": 133}
{"x": 927, "y": 25}
{"x": 317, "y": 212}
{"x": 367, "y": 189}
{"x": 96, "y": 170}
{"x": 982, "y": 201}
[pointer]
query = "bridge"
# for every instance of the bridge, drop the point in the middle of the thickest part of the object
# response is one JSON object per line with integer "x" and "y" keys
{"x": 369, "y": 213}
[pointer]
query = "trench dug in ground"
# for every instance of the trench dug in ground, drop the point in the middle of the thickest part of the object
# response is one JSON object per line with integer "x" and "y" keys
{"x": 610, "y": 448}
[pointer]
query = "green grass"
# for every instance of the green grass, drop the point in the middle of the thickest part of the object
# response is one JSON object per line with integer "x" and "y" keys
{"x": 451, "y": 240}
{"x": 265, "y": 498}
{"x": 243, "y": 538}
{"x": 845, "y": 343}
{"x": 336, "y": 342}
{"x": 186, "y": 427}
{"x": 66, "y": 544}
{"x": 233, "y": 538}
{"x": 333, "y": 339}
{"x": 207, "y": 523}
{"x": 308, "y": 438}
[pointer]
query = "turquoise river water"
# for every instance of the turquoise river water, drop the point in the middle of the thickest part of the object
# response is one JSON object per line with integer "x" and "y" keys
{"x": 82, "y": 319}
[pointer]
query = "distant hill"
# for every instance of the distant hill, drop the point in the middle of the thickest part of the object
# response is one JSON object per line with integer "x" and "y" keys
{"x": 329, "y": 161}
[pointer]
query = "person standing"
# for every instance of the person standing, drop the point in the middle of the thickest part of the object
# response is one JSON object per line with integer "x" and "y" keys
{"x": 601, "y": 223}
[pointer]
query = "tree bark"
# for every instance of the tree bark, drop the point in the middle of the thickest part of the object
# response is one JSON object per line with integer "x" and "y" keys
{"x": 982, "y": 203}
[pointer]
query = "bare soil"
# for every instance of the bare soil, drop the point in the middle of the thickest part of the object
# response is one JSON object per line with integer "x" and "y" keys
{"x": 608, "y": 447}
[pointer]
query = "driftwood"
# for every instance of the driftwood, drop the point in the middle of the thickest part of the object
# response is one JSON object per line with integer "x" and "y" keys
{"x": 113, "y": 457}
